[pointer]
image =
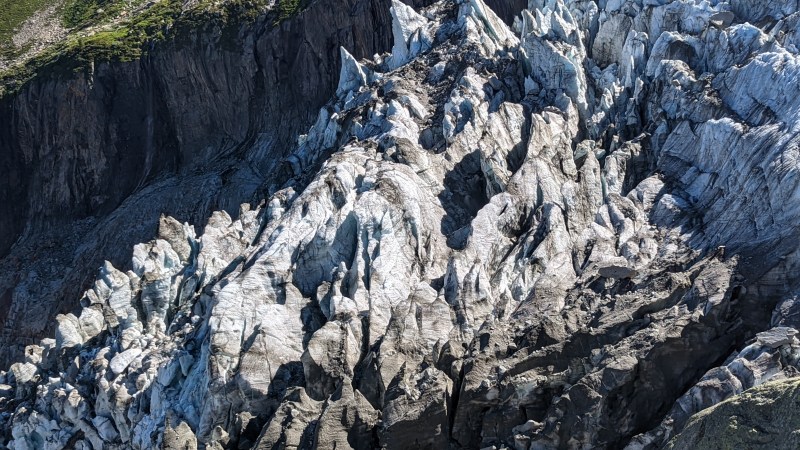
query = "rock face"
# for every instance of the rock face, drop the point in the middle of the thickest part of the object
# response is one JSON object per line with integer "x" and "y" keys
{"x": 763, "y": 417}
{"x": 575, "y": 232}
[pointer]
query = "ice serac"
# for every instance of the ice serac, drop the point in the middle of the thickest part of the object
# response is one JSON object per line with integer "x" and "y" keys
{"x": 352, "y": 75}
{"x": 410, "y": 33}
{"x": 576, "y": 232}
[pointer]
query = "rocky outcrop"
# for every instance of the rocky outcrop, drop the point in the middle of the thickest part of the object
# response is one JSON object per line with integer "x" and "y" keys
{"x": 569, "y": 234}
{"x": 763, "y": 417}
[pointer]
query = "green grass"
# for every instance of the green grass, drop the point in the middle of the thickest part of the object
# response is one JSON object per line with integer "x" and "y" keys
{"x": 126, "y": 42}
{"x": 132, "y": 38}
{"x": 80, "y": 13}
{"x": 14, "y": 13}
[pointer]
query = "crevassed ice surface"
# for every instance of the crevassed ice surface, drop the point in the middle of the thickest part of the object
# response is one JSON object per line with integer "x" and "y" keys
{"x": 575, "y": 232}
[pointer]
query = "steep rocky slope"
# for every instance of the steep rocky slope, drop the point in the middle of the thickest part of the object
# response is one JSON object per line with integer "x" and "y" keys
{"x": 575, "y": 232}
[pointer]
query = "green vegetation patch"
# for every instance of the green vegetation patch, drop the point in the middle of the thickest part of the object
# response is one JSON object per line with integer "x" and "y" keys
{"x": 81, "y": 13}
{"x": 288, "y": 9}
{"x": 126, "y": 42}
{"x": 14, "y": 13}
{"x": 131, "y": 38}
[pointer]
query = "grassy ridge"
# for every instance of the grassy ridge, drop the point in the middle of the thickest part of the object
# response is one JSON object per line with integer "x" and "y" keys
{"x": 129, "y": 39}
{"x": 80, "y": 13}
{"x": 124, "y": 42}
